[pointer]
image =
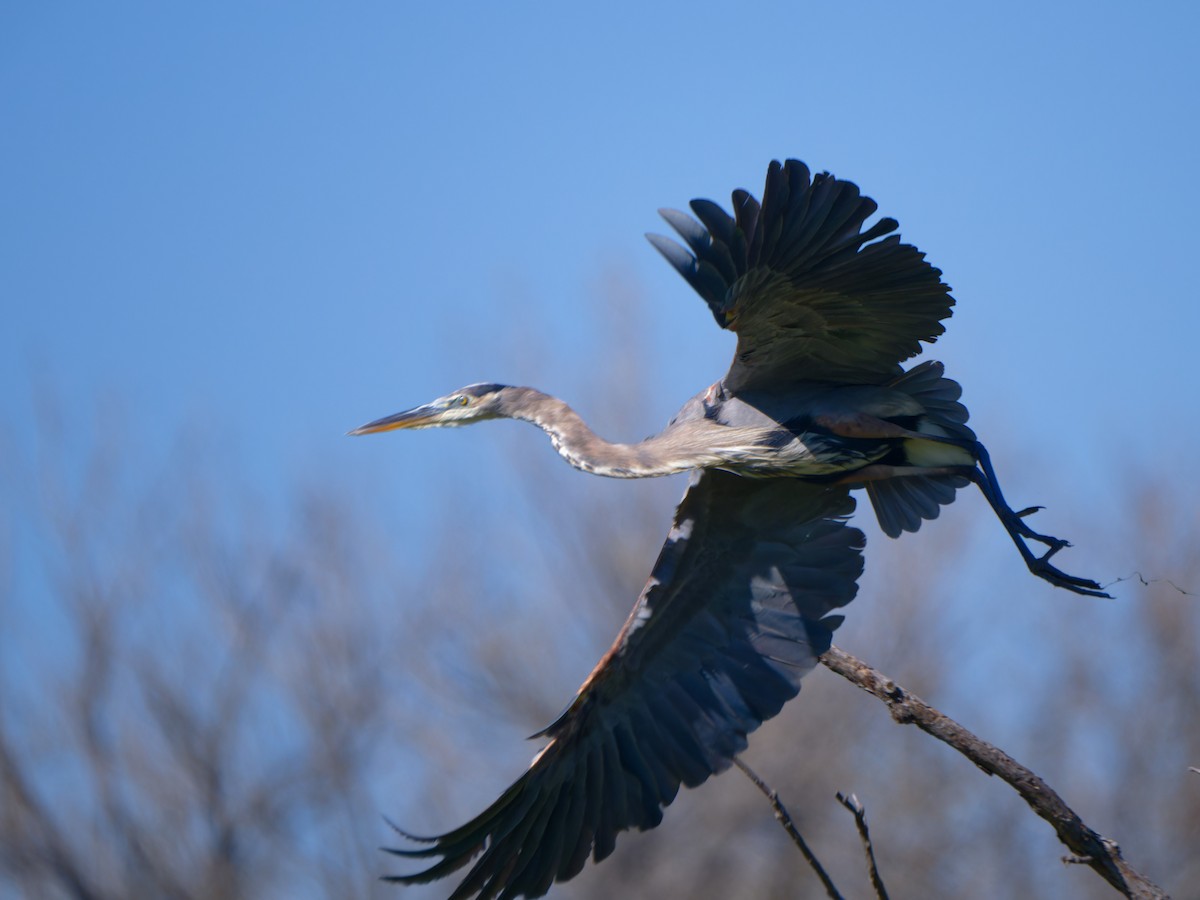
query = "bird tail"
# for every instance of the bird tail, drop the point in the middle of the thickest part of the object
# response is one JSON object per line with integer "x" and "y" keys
{"x": 903, "y": 502}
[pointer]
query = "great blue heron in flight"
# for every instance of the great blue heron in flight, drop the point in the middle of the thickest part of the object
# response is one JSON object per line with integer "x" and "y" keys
{"x": 738, "y": 604}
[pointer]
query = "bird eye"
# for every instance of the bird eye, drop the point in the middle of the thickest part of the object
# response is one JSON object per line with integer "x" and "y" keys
{"x": 462, "y": 400}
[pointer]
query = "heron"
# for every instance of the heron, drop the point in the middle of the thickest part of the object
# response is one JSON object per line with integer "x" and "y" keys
{"x": 742, "y": 599}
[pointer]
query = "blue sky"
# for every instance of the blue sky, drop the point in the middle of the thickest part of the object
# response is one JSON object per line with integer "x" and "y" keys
{"x": 262, "y": 225}
{"x": 280, "y": 220}
{"x": 267, "y": 223}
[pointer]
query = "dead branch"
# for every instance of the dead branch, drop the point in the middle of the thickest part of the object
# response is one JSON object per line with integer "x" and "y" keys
{"x": 860, "y": 820}
{"x": 1088, "y": 847}
{"x": 785, "y": 819}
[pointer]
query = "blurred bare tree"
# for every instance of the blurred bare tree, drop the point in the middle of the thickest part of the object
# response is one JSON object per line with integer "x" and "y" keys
{"x": 206, "y": 693}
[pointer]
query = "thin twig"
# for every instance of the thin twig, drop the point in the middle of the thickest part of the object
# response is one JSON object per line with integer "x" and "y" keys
{"x": 1099, "y": 853}
{"x": 1146, "y": 582}
{"x": 785, "y": 819}
{"x": 860, "y": 819}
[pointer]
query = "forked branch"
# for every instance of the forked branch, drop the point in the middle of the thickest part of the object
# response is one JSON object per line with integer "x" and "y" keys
{"x": 785, "y": 819}
{"x": 1088, "y": 847}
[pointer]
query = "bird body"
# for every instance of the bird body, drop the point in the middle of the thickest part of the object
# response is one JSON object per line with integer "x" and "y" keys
{"x": 742, "y": 600}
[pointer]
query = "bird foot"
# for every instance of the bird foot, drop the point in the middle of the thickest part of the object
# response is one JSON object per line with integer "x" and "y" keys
{"x": 1016, "y": 525}
{"x": 1020, "y": 532}
{"x": 1040, "y": 566}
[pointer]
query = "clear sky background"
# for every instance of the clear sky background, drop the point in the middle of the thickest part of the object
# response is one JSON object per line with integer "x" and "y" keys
{"x": 267, "y": 223}
{"x": 278, "y": 221}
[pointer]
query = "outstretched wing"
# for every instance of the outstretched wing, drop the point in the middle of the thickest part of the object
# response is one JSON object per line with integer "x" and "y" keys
{"x": 811, "y": 296}
{"x": 735, "y": 612}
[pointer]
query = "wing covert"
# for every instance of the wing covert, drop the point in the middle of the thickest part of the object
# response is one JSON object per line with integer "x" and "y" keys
{"x": 736, "y": 611}
{"x": 811, "y": 296}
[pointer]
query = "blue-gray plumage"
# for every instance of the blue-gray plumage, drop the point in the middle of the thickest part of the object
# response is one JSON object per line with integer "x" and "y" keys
{"x": 738, "y": 606}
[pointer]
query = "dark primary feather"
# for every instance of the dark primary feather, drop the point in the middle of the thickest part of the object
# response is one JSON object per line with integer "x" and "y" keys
{"x": 810, "y": 295}
{"x": 735, "y": 612}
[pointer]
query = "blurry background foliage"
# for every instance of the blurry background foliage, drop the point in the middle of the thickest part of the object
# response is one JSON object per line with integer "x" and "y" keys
{"x": 224, "y": 694}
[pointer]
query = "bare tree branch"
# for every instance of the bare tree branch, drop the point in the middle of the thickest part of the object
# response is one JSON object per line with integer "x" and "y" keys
{"x": 785, "y": 819}
{"x": 860, "y": 820}
{"x": 1101, "y": 854}
{"x": 41, "y": 851}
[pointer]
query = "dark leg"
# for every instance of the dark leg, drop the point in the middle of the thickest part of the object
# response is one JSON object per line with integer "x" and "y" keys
{"x": 1013, "y": 521}
{"x": 1014, "y": 524}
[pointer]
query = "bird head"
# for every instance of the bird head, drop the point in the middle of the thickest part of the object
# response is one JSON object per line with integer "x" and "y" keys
{"x": 474, "y": 403}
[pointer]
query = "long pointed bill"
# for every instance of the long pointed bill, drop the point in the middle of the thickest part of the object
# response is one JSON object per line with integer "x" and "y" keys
{"x": 420, "y": 417}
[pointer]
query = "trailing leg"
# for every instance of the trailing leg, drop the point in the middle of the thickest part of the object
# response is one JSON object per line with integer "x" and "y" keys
{"x": 1014, "y": 523}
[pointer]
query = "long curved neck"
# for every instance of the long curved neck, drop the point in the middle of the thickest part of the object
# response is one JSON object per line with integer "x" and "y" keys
{"x": 584, "y": 449}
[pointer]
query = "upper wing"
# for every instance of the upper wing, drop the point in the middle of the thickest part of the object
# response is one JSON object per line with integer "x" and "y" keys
{"x": 811, "y": 299}
{"x": 734, "y": 613}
